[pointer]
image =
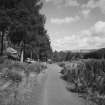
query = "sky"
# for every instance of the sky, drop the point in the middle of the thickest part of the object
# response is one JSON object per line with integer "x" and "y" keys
{"x": 75, "y": 24}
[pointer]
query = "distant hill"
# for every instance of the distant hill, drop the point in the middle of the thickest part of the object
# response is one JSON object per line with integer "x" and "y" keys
{"x": 81, "y": 50}
{"x": 86, "y": 53}
{"x": 79, "y": 54}
{"x": 99, "y": 53}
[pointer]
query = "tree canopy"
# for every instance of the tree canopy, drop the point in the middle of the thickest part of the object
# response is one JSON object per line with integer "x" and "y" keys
{"x": 25, "y": 24}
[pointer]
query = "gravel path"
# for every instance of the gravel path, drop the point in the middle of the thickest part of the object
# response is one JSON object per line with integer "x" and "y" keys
{"x": 50, "y": 90}
{"x": 55, "y": 91}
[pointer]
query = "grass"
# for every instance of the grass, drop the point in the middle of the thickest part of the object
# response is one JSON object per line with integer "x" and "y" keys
{"x": 15, "y": 81}
{"x": 87, "y": 76}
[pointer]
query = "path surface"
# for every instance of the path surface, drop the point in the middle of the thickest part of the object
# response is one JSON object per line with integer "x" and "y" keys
{"x": 55, "y": 91}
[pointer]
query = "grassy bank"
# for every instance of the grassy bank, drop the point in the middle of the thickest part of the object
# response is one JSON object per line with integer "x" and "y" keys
{"x": 17, "y": 81}
{"x": 86, "y": 77}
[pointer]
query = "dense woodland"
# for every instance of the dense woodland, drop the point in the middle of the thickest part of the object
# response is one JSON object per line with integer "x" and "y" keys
{"x": 22, "y": 26}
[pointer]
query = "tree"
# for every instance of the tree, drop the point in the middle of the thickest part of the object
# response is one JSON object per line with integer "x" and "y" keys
{"x": 25, "y": 26}
{"x": 5, "y": 20}
{"x": 28, "y": 27}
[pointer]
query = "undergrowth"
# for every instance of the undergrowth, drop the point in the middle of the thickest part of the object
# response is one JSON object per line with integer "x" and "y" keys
{"x": 86, "y": 76}
{"x": 15, "y": 82}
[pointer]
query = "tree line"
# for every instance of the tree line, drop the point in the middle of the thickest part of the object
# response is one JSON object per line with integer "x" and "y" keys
{"x": 69, "y": 56}
{"x": 23, "y": 26}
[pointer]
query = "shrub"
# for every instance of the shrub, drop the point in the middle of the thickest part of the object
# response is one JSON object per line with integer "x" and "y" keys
{"x": 13, "y": 72}
{"x": 61, "y": 64}
{"x": 86, "y": 74}
{"x": 44, "y": 65}
{"x": 34, "y": 67}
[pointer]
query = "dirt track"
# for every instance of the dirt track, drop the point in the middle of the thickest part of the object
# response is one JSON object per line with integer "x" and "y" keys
{"x": 55, "y": 91}
{"x": 50, "y": 90}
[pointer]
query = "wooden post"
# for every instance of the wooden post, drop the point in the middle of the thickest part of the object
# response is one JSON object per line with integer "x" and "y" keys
{"x": 22, "y": 56}
{"x": 2, "y": 40}
{"x": 31, "y": 55}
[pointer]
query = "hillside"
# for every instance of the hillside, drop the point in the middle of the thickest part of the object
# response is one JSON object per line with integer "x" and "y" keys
{"x": 100, "y": 53}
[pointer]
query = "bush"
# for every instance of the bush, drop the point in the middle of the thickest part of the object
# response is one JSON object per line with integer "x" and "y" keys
{"x": 86, "y": 74}
{"x": 13, "y": 72}
{"x": 44, "y": 65}
{"x": 14, "y": 87}
{"x": 34, "y": 67}
{"x": 61, "y": 64}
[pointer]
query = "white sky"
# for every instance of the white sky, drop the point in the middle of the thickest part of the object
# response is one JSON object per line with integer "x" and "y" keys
{"x": 75, "y": 24}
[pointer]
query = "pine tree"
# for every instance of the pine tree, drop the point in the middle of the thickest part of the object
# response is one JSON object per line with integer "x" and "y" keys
{"x": 25, "y": 25}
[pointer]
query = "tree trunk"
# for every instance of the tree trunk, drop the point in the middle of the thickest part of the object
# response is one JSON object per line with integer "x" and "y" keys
{"x": 2, "y": 40}
{"x": 22, "y": 56}
{"x": 31, "y": 55}
{"x": 22, "y": 51}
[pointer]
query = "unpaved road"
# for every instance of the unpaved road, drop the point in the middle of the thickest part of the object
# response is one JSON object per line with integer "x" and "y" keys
{"x": 50, "y": 89}
{"x": 55, "y": 92}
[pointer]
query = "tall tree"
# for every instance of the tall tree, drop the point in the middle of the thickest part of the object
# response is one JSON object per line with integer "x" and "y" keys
{"x": 5, "y": 20}
{"x": 28, "y": 26}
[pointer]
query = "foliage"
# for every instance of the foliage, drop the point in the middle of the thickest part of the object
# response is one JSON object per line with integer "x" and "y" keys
{"x": 16, "y": 83}
{"x": 59, "y": 56}
{"x": 97, "y": 54}
{"x": 70, "y": 56}
{"x": 24, "y": 25}
{"x": 87, "y": 75}
{"x": 13, "y": 72}
{"x": 66, "y": 56}
{"x": 34, "y": 67}
{"x": 61, "y": 64}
